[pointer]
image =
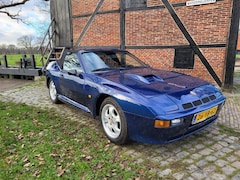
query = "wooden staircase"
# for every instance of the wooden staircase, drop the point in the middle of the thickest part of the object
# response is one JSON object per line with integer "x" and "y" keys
{"x": 47, "y": 50}
{"x": 55, "y": 54}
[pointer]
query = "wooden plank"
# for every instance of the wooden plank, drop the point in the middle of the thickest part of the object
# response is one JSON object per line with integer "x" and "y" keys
{"x": 21, "y": 71}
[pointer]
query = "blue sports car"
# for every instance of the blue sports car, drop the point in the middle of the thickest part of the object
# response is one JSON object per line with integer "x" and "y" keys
{"x": 133, "y": 100}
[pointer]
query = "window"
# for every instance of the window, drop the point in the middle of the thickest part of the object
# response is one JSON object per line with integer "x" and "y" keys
{"x": 135, "y": 3}
{"x": 184, "y": 58}
{"x": 71, "y": 62}
{"x": 107, "y": 60}
{"x": 93, "y": 62}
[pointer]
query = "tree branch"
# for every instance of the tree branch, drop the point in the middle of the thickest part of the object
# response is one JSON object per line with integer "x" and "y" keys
{"x": 5, "y": 5}
{"x": 15, "y": 16}
{"x": 12, "y": 4}
{"x": 2, "y": 6}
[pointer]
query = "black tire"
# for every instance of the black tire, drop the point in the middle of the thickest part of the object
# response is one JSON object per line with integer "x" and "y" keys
{"x": 53, "y": 92}
{"x": 113, "y": 121}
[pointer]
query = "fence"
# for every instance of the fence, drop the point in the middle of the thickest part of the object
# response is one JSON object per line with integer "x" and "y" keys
{"x": 24, "y": 69}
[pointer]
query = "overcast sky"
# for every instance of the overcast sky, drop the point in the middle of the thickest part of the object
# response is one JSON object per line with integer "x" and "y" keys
{"x": 37, "y": 22}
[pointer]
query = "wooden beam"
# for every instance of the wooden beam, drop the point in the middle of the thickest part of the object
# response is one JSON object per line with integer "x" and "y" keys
{"x": 191, "y": 41}
{"x": 122, "y": 25}
{"x": 232, "y": 45}
{"x": 89, "y": 23}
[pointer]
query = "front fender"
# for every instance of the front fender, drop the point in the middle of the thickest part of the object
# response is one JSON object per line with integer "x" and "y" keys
{"x": 134, "y": 107}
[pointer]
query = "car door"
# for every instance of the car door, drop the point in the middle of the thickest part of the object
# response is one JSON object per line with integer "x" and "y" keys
{"x": 71, "y": 81}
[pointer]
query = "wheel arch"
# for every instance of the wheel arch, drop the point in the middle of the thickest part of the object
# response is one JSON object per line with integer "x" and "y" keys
{"x": 99, "y": 101}
{"x": 48, "y": 81}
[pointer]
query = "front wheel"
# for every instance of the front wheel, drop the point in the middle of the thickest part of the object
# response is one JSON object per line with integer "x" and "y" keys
{"x": 53, "y": 92}
{"x": 114, "y": 121}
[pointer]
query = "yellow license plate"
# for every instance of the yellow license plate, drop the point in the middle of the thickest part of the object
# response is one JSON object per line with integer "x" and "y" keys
{"x": 204, "y": 115}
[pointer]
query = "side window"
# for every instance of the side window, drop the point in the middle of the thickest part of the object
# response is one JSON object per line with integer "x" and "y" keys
{"x": 71, "y": 62}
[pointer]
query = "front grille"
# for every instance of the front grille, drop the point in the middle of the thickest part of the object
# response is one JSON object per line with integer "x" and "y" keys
{"x": 204, "y": 100}
{"x": 197, "y": 103}
{"x": 187, "y": 105}
{"x": 212, "y": 97}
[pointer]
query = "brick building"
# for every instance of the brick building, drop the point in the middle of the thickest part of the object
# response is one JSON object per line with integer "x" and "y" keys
{"x": 194, "y": 37}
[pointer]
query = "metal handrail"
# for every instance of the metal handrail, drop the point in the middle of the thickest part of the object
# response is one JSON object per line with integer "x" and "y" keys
{"x": 51, "y": 31}
{"x": 47, "y": 33}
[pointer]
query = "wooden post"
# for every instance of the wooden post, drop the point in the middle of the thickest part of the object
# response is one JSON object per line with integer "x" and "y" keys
{"x": 5, "y": 61}
{"x": 33, "y": 62}
{"x": 232, "y": 45}
{"x": 22, "y": 61}
{"x": 122, "y": 25}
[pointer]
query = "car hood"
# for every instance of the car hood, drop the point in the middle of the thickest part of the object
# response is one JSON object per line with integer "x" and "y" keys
{"x": 152, "y": 82}
{"x": 163, "y": 91}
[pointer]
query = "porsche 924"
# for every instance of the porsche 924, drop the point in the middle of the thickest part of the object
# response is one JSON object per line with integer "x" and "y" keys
{"x": 133, "y": 100}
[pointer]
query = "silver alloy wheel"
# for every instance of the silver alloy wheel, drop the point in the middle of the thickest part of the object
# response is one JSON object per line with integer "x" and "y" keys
{"x": 111, "y": 121}
{"x": 52, "y": 91}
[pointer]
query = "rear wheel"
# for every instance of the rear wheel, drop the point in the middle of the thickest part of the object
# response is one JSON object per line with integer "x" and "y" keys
{"x": 114, "y": 121}
{"x": 53, "y": 92}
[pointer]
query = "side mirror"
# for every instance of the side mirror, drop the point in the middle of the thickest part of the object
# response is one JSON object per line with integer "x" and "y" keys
{"x": 73, "y": 72}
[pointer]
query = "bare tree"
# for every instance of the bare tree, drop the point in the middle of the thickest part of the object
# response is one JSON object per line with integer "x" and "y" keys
{"x": 12, "y": 48}
{"x": 6, "y": 4}
{"x": 12, "y": 9}
{"x": 26, "y": 42}
{"x": 3, "y": 48}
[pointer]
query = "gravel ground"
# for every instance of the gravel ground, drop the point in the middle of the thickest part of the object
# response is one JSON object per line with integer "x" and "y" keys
{"x": 211, "y": 154}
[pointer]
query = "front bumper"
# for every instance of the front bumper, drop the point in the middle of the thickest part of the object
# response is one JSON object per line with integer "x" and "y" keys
{"x": 142, "y": 129}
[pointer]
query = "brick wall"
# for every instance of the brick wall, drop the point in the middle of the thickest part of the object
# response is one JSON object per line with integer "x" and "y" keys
{"x": 207, "y": 24}
{"x": 104, "y": 30}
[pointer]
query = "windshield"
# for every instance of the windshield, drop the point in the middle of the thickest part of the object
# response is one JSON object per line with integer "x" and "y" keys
{"x": 106, "y": 60}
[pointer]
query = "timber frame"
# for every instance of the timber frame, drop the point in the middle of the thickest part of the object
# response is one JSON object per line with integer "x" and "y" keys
{"x": 230, "y": 45}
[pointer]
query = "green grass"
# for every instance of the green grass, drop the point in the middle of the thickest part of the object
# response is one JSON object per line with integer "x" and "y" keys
{"x": 41, "y": 144}
{"x": 236, "y": 74}
{"x": 14, "y": 59}
{"x": 238, "y": 56}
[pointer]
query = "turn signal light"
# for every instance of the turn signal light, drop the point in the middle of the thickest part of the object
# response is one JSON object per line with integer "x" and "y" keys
{"x": 161, "y": 124}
